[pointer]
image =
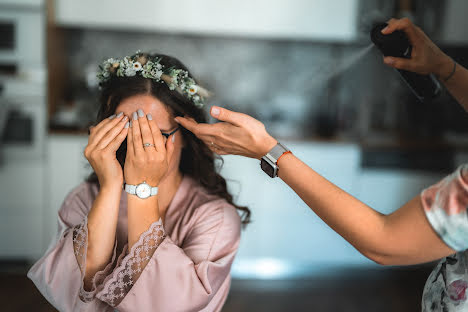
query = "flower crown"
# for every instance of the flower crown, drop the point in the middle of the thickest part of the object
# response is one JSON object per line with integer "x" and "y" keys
{"x": 147, "y": 67}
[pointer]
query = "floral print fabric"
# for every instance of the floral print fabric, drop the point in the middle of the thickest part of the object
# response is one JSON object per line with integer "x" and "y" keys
{"x": 445, "y": 205}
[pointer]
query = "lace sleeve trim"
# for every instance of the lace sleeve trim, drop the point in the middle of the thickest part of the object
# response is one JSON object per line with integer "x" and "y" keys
{"x": 80, "y": 247}
{"x": 132, "y": 265}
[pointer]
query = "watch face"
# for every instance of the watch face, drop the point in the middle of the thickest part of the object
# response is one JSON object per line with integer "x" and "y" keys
{"x": 143, "y": 190}
{"x": 268, "y": 168}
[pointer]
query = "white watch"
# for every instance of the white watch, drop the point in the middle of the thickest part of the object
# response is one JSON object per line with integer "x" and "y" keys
{"x": 142, "y": 190}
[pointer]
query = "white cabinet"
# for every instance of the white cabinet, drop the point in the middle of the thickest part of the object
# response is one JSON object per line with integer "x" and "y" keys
{"x": 387, "y": 190}
{"x": 22, "y": 196}
{"x": 67, "y": 167}
{"x": 308, "y": 19}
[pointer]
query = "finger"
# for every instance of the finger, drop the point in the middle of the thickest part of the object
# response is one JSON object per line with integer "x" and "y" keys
{"x": 130, "y": 150}
{"x": 399, "y": 63}
{"x": 145, "y": 130}
{"x": 137, "y": 141}
{"x": 112, "y": 133}
{"x": 170, "y": 143}
{"x": 117, "y": 141}
{"x": 229, "y": 116}
{"x": 99, "y": 131}
{"x": 403, "y": 24}
{"x": 155, "y": 132}
{"x": 189, "y": 124}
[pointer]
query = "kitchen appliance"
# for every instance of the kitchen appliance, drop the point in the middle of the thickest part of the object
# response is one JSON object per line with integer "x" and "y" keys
{"x": 23, "y": 105}
{"x": 424, "y": 87}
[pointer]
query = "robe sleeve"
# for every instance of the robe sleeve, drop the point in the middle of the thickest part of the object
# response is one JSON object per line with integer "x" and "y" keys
{"x": 445, "y": 205}
{"x": 59, "y": 273}
{"x": 158, "y": 274}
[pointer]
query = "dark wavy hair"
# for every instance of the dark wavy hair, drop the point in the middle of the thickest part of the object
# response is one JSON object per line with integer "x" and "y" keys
{"x": 197, "y": 160}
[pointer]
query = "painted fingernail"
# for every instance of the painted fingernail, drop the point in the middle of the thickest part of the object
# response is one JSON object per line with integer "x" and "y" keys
{"x": 127, "y": 125}
{"x": 173, "y": 137}
{"x": 140, "y": 113}
{"x": 149, "y": 117}
{"x": 112, "y": 116}
{"x": 119, "y": 114}
{"x": 215, "y": 111}
{"x": 176, "y": 120}
{"x": 385, "y": 29}
{"x": 125, "y": 118}
{"x": 135, "y": 116}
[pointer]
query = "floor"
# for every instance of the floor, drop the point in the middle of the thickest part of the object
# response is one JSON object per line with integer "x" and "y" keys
{"x": 377, "y": 290}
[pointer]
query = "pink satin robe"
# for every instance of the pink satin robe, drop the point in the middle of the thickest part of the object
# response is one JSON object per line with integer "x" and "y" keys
{"x": 182, "y": 265}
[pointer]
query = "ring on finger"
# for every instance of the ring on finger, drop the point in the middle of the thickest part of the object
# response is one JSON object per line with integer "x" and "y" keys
{"x": 148, "y": 145}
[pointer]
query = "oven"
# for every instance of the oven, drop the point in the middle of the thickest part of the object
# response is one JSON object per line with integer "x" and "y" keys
{"x": 23, "y": 84}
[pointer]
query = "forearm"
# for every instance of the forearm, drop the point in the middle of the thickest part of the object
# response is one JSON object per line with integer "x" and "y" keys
{"x": 356, "y": 222}
{"x": 457, "y": 84}
{"x": 102, "y": 224}
{"x": 141, "y": 214}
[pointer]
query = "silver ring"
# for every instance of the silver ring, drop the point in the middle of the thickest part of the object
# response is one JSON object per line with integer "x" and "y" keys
{"x": 148, "y": 145}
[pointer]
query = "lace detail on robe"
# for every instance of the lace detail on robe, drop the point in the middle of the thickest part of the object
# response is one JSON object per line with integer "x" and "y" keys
{"x": 80, "y": 248}
{"x": 130, "y": 267}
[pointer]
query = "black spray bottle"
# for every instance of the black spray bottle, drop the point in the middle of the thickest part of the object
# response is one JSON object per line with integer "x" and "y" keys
{"x": 425, "y": 87}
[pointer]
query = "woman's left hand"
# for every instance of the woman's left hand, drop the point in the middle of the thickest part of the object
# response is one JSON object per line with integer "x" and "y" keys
{"x": 146, "y": 163}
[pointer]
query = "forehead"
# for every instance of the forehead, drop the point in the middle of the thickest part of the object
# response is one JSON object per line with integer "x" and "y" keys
{"x": 148, "y": 103}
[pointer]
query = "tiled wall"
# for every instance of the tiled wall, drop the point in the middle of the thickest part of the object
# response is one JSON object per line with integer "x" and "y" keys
{"x": 284, "y": 83}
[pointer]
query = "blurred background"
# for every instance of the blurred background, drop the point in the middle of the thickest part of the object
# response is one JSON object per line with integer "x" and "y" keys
{"x": 306, "y": 68}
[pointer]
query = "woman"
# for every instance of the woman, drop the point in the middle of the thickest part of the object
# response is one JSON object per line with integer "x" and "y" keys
{"x": 167, "y": 242}
{"x": 433, "y": 225}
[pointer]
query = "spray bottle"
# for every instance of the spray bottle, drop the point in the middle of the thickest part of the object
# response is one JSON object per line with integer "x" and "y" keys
{"x": 425, "y": 87}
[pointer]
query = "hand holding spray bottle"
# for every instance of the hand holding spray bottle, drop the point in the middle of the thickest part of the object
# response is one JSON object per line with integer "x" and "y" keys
{"x": 425, "y": 87}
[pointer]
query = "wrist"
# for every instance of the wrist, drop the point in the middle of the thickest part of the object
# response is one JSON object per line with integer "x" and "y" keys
{"x": 266, "y": 145}
{"x": 443, "y": 67}
{"x": 111, "y": 188}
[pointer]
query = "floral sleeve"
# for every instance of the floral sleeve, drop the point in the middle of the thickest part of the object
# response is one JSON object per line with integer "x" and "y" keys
{"x": 445, "y": 205}
{"x": 80, "y": 247}
{"x": 131, "y": 264}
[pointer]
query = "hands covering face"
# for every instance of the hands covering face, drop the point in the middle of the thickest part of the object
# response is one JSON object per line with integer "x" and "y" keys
{"x": 148, "y": 152}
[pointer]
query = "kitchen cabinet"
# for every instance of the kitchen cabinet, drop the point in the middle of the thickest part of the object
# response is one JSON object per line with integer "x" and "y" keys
{"x": 329, "y": 20}
{"x": 387, "y": 190}
{"x": 22, "y": 193}
{"x": 67, "y": 168}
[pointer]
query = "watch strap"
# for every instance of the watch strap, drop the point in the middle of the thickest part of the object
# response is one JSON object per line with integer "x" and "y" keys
{"x": 276, "y": 152}
{"x": 130, "y": 189}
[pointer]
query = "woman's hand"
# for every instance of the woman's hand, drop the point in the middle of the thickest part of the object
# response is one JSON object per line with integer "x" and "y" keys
{"x": 239, "y": 134}
{"x": 426, "y": 57}
{"x": 103, "y": 142}
{"x": 146, "y": 163}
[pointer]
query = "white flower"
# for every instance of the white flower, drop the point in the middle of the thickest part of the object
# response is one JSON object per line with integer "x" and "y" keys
{"x": 193, "y": 89}
{"x": 130, "y": 71}
{"x": 137, "y": 66}
{"x": 158, "y": 74}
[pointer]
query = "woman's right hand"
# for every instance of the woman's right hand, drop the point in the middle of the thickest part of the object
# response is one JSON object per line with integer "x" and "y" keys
{"x": 103, "y": 142}
{"x": 426, "y": 57}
